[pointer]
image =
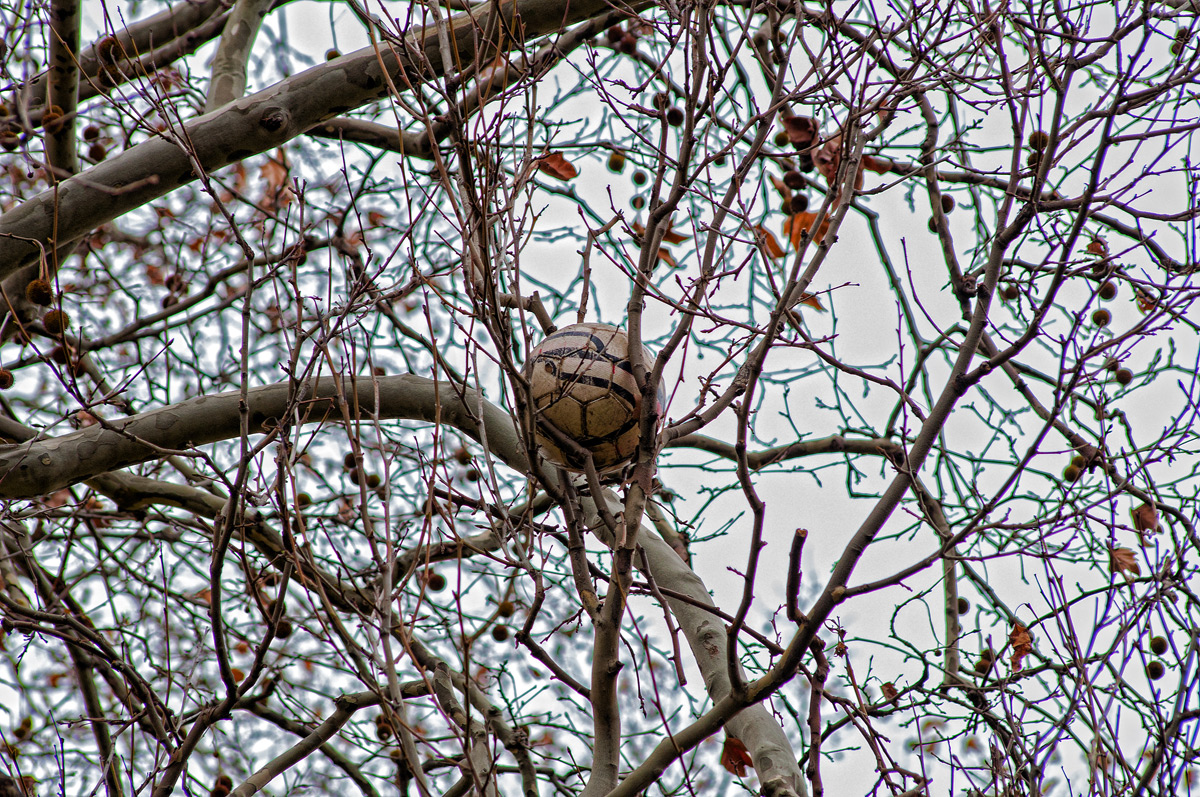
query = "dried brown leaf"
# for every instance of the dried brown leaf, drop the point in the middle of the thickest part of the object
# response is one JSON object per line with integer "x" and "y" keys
{"x": 669, "y": 237}
{"x": 877, "y": 164}
{"x": 735, "y": 757}
{"x": 1123, "y": 560}
{"x": 1022, "y": 645}
{"x": 812, "y": 300}
{"x": 558, "y": 167}
{"x": 769, "y": 242}
{"x": 781, "y": 187}
{"x": 1145, "y": 302}
{"x": 796, "y": 226}
{"x": 1145, "y": 520}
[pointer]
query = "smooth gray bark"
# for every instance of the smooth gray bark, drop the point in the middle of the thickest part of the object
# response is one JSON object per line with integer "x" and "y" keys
{"x": 265, "y": 120}
{"x": 41, "y": 466}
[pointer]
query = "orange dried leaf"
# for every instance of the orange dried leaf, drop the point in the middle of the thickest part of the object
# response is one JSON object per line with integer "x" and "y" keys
{"x": 889, "y": 691}
{"x": 1098, "y": 247}
{"x": 1123, "y": 560}
{"x": 669, "y": 237}
{"x": 1145, "y": 302}
{"x": 1145, "y": 520}
{"x": 812, "y": 300}
{"x": 795, "y": 227}
{"x": 672, "y": 237}
{"x": 780, "y": 186}
{"x": 769, "y": 242}
{"x": 558, "y": 167}
{"x": 828, "y": 158}
{"x": 665, "y": 256}
{"x": 877, "y": 164}
{"x": 735, "y": 757}
{"x": 275, "y": 174}
{"x": 1022, "y": 644}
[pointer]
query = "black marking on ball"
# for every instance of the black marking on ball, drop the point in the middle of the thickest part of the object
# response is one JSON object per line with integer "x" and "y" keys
{"x": 596, "y": 381}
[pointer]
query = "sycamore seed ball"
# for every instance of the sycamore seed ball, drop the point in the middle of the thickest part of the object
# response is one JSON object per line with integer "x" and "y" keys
{"x": 56, "y": 321}
{"x": 39, "y": 291}
{"x": 1158, "y": 645}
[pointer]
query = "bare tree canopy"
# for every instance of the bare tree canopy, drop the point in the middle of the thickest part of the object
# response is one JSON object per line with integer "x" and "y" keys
{"x": 873, "y": 469}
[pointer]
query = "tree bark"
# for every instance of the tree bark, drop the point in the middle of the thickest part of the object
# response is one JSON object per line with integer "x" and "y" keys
{"x": 265, "y": 120}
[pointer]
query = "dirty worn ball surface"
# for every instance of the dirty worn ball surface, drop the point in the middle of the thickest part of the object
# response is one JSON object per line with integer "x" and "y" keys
{"x": 582, "y": 384}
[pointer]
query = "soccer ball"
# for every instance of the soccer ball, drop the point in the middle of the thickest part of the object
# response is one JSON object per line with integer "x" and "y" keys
{"x": 581, "y": 382}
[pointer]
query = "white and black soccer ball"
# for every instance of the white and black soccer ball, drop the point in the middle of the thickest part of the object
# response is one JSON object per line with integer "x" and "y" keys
{"x": 581, "y": 382}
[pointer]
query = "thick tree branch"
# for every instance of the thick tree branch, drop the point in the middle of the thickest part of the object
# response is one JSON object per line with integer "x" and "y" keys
{"x": 63, "y": 90}
{"x": 346, "y": 705}
{"x": 228, "y": 80}
{"x": 265, "y": 120}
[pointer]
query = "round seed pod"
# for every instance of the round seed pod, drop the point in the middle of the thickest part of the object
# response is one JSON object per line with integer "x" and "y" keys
{"x": 56, "y": 322}
{"x": 40, "y": 292}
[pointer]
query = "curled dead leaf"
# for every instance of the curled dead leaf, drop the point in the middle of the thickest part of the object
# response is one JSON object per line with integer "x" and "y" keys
{"x": 669, "y": 237}
{"x": 1145, "y": 520}
{"x": 877, "y": 164}
{"x": 796, "y": 226}
{"x": 557, "y": 166}
{"x": 1145, "y": 302}
{"x": 735, "y": 757}
{"x": 1022, "y": 645}
{"x": 781, "y": 187}
{"x": 1123, "y": 560}
{"x": 769, "y": 242}
{"x": 828, "y": 158}
{"x": 811, "y": 300}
